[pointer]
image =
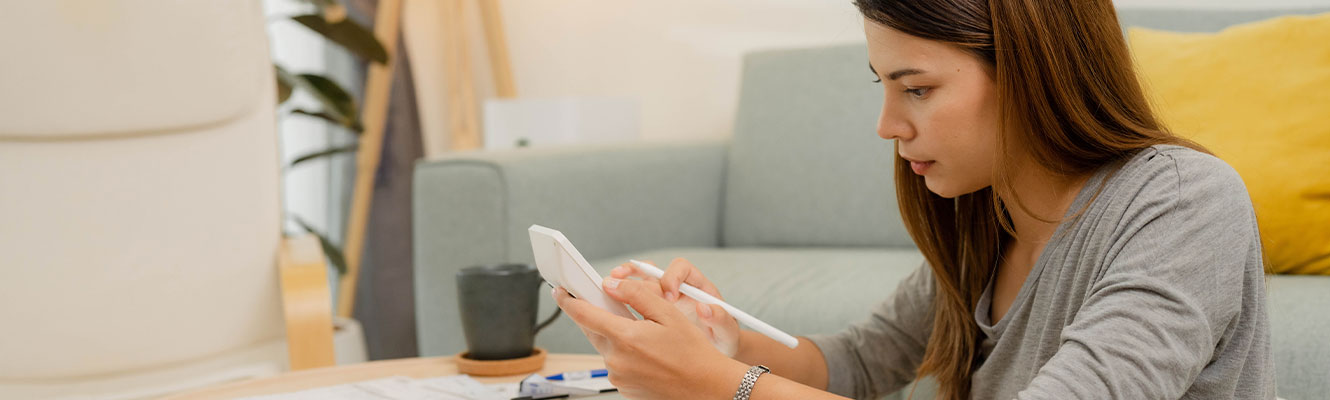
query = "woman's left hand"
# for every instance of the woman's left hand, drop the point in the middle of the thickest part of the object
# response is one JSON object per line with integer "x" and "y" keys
{"x": 662, "y": 356}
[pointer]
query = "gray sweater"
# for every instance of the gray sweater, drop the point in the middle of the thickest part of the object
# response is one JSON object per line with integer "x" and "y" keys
{"x": 1156, "y": 292}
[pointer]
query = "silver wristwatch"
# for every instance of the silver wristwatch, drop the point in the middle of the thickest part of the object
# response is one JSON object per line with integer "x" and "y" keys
{"x": 750, "y": 379}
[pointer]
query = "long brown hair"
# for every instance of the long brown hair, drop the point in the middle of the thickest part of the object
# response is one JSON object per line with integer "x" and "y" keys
{"x": 1067, "y": 96}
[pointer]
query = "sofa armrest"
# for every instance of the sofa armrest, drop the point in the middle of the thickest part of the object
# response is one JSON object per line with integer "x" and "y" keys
{"x": 474, "y": 208}
{"x": 306, "y": 303}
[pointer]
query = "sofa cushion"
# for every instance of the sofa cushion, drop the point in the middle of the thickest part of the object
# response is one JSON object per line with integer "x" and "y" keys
{"x": 1300, "y": 334}
{"x": 1253, "y": 94}
{"x": 798, "y": 290}
{"x": 810, "y": 290}
{"x": 806, "y": 166}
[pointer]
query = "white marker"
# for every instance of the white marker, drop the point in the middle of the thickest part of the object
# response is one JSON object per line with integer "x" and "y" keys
{"x": 699, "y": 295}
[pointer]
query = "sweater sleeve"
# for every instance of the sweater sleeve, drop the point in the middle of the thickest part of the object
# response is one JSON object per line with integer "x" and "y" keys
{"x": 1169, "y": 295}
{"x": 879, "y": 354}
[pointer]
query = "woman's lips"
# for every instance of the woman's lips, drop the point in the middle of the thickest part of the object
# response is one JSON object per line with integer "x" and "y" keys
{"x": 920, "y": 167}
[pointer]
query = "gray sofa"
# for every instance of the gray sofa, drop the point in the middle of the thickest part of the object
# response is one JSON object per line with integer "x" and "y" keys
{"x": 793, "y": 217}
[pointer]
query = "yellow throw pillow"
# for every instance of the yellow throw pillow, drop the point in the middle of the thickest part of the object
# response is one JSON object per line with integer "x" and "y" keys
{"x": 1258, "y": 96}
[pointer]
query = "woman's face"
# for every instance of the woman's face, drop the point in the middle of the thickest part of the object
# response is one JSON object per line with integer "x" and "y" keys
{"x": 940, "y": 107}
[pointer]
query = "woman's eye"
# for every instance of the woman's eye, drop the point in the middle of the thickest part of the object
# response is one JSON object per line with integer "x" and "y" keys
{"x": 917, "y": 92}
{"x": 877, "y": 80}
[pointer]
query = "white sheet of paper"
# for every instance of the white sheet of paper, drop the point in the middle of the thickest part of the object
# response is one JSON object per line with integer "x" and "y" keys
{"x": 463, "y": 386}
{"x": 394, "y": 388}
{"x": 454, "y": 387}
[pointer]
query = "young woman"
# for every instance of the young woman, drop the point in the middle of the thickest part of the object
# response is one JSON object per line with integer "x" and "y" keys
{"x": 1074, "y": 248}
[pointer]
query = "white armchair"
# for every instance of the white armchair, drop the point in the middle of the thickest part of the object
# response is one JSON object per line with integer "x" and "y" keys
{"x": 140, "y": 215}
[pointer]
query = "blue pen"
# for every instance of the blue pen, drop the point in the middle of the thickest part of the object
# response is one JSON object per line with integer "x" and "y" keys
{"x": 576, "y": 375}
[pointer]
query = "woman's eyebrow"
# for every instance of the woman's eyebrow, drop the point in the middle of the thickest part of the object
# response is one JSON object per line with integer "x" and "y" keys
{"x": 898, "y": 73}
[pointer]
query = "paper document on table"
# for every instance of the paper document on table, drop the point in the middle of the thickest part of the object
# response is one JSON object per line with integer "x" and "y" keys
{"x": 394, "y": 388}
{"x": 463, "y": 387}
{"x": 455, "y": 387}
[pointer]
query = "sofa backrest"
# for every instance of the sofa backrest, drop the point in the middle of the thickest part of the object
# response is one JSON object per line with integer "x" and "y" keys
{"x": 1211, "y": 20}
{"x": 806, "y": 167}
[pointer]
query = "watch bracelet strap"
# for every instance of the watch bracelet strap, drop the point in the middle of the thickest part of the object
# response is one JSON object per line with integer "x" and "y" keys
{"x": 750, "y": 379}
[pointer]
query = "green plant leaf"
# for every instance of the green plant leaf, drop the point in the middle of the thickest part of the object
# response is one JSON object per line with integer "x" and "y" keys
{"x": 335, "y": 99}
{"x": 285, "y": 84}
{"x": 329, "y": 249}
{"x": 338, "y": 106}
{"x": 352, "y": 125}
{"x": 347, "y": 33}
{"x": 324, "y": 153}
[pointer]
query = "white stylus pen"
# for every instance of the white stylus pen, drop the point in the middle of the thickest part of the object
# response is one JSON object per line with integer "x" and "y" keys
{"x": 699, "y": 295}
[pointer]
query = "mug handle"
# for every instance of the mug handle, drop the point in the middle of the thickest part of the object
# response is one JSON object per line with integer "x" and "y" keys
{"x": 557, "y": 311}
{"x": 547, "y": 322}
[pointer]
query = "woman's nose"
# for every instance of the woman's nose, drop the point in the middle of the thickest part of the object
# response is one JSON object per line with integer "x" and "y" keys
{"x": 892, "y": 126}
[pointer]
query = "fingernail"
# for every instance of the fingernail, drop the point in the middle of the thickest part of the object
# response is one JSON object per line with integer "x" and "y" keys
{"x": 611, "y": 283}
{"x": 672, "y": 296}
{"x": 706, "y": 311}
{"x": 620, "y": 269}
{"x": 554, "y": 292}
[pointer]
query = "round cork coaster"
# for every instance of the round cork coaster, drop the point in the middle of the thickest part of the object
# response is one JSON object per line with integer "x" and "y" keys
{"x": 514, "y": 366}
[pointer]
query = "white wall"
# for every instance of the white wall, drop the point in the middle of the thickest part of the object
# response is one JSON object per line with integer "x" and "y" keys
{"x": 681, "y": 58}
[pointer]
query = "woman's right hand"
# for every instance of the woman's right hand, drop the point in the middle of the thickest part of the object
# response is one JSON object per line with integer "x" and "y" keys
{"x": 718, "y": 326}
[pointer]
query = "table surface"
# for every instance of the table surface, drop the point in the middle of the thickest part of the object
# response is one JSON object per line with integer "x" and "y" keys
{"x": 409, "y": 367}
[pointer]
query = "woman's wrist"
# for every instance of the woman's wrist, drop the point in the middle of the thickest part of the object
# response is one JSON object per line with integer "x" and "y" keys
{"x": 747, "y": 345}
{"x": 724, "y": 380}
{"x": 804, "y": 364}
{"x": 729, "y": 376}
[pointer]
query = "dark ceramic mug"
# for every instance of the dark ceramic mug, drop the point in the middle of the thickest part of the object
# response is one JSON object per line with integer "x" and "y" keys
{"x": 499, "y": 305}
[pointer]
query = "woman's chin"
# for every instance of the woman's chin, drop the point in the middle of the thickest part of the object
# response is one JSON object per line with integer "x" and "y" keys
{"x": 945, "y": 195}
{"x": 948, "y": 190}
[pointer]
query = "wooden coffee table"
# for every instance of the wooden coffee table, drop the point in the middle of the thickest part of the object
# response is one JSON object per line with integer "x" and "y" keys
{"x": 409, "y": 367}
